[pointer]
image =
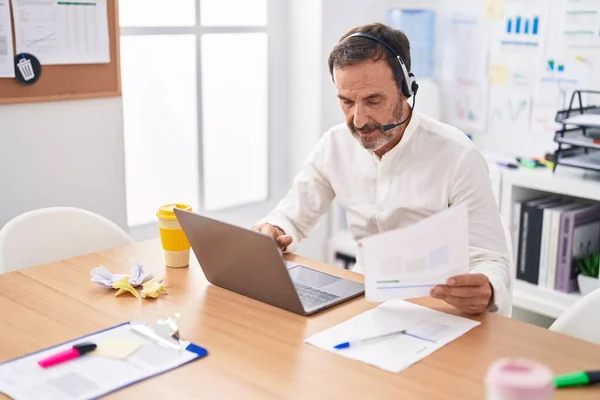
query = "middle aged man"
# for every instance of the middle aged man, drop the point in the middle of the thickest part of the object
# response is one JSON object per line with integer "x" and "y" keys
{"x": 390, "y": 167}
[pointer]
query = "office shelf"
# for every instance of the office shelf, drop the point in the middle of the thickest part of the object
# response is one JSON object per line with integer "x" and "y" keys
{"x": 576, "y": 146}
{"x": 543, "y": 301}
{"x": 576, "y": 137}
{"x": 573, "y": 183}
{"x": 589, "y": 161}
{"x": 523, "y": 184}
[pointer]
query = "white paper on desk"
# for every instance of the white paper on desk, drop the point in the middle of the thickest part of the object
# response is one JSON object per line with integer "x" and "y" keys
{"x": 7, "y": 64}
{"x": 408, "y": 262}
{"x": 62, "y": 32}
{"x": 397, "y": 352}
{"x": 89, "y": 376}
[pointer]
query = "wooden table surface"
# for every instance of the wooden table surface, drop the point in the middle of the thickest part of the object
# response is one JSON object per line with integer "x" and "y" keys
{"x": 256, "y": 350}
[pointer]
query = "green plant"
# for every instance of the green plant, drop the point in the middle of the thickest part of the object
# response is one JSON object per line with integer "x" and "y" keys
{"x": 589, "y": 265}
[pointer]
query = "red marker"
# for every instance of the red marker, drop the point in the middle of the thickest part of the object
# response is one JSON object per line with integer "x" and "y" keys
{"x": 76, "y": 351}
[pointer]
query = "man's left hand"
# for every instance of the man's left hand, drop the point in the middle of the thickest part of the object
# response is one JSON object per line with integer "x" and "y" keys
{"x": 470, "y": 293}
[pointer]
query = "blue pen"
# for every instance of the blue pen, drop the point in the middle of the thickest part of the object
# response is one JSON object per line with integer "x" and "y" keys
{"x": 354, "y": 343}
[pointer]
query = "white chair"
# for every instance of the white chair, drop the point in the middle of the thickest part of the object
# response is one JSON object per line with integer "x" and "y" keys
{"x": 582, "y": 319}
{"x": 53, "y": 234}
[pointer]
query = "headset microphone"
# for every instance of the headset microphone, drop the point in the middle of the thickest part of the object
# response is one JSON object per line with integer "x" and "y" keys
{"x": 392, "y": 126}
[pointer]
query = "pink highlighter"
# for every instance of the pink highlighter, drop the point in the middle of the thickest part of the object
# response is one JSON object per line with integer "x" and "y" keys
{"x": 75, "y": 352}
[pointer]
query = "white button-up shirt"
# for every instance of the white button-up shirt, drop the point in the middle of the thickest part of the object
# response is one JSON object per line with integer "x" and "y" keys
{"x": 433, "y": 167}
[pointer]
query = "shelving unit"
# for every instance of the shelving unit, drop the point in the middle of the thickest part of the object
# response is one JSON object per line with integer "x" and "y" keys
{"x": 525, "y": 184}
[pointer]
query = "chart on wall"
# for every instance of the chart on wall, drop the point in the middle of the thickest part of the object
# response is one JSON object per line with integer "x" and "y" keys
{"x": 559, "y": 75}
{"x": 466, "y": 66}
{"x": 509, "y": 110}
{"x": 517, "y": 50}
{"x": 519, "y": 40}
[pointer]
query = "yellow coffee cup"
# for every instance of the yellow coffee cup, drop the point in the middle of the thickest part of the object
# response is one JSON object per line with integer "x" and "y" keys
{"x": 174, "y": 242}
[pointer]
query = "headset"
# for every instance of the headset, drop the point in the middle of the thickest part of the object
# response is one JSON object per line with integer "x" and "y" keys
{"x": 409, "y": 83}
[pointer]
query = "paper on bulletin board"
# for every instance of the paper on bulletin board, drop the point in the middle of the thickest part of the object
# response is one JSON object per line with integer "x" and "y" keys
{"x": 581, "y": 26}
{"x": 63, "y": 32}
{"x": 7, "y": 65}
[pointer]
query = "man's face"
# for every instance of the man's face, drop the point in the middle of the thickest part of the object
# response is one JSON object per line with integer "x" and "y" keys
{"x": 369, "y": 99}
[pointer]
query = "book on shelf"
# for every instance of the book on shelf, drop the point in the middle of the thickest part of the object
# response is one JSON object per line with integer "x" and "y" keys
{"x": 566, "y": 276}
{"x": 549, "y": 232}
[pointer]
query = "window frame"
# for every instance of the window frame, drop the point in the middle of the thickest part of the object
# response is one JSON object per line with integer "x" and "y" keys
{"x": 278, "y": 165}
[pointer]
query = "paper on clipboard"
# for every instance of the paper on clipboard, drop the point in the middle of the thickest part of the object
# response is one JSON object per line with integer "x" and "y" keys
{"x": 7, "y": 66}
{"x": 408, "y": 262}
{"x": 91, "y": 376}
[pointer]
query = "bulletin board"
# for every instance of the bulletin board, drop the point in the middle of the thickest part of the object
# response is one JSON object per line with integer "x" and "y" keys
{"x": 74, "y": 81}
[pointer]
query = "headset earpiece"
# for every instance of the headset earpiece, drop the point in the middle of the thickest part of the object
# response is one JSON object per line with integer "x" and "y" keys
{"x": 409, "y": 84}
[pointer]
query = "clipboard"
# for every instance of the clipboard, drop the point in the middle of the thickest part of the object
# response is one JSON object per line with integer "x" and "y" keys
{"x": 93, "y": 376}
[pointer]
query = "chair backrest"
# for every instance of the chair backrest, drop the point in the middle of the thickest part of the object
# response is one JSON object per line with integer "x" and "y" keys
{"x": 582, "y": 319}
{"x": 53, "y": 234}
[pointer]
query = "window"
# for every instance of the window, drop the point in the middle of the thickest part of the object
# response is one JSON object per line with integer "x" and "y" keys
{"x": 201, "y": 83}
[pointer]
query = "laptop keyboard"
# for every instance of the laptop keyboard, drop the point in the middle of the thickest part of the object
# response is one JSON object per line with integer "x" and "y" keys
{"x": 312, "y": 297}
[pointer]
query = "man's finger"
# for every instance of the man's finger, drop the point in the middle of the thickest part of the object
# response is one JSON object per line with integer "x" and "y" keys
{"x": 268, "y": 230}
{"x": 284, "y": 241}
{"x": 464, "y": 292}
{"x": 468, "y": 280}
{"x": 458, "y": 302}
{"x": 470, "y": 306}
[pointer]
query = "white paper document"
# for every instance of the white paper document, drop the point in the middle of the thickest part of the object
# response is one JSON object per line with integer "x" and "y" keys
{"x": 465, "y": 60}
{"x": 408, "y": 262}
{"x": 62, "y": 32}
{"x": 582, "y": 23}
{"x": 7, "y": 66}
{"x": 106, "y": 278}
{"x": 427, "y": 330}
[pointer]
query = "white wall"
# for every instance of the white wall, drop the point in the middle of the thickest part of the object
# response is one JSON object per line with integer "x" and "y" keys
{"x": 67, "y": 153}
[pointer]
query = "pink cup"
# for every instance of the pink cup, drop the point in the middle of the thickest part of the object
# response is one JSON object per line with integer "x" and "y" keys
{"x": 518, "y": 379}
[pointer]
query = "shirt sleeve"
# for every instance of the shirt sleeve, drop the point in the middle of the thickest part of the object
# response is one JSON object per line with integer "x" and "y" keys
{"x": 308, "y": 199}
{"x": 488, "y": 237}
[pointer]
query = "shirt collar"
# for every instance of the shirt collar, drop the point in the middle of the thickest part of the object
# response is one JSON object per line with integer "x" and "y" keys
{"x": 411, "y": 128}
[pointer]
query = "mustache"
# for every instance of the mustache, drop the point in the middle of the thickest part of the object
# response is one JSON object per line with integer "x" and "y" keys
{"x": 367, "y": 127}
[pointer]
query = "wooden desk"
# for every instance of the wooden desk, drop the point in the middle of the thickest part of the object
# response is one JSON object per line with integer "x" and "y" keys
{"x": 257, "y": 351}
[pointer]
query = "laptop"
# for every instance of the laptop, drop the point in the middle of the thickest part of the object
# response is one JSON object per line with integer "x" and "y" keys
{"x": 250, "y": 263}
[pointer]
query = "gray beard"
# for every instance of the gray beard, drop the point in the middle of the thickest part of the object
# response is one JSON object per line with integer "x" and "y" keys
{"x": 379, "y": 139}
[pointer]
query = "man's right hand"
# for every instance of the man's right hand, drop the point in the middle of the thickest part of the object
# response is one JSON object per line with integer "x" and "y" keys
{"x": 276, "y": 233}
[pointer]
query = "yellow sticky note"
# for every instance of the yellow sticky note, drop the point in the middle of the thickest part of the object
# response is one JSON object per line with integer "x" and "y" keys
{"x": 498, "y": 75}
{"x": 495, "y": 9}
{"x": 152, "y": 288}
{"x": 124, "y": 286}
{"x": 116, "y": 348}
